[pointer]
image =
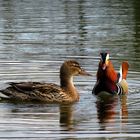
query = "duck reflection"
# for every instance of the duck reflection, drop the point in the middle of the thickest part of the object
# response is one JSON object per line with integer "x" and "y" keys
{"x": 41, "y": 111}
{"x": 106, "y": 110}
{"x": 124, "y": 110}
{"x": 66, "y": 116}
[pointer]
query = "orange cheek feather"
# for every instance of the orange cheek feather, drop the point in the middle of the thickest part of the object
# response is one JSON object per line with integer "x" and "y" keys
{"x": 112, "y": 75}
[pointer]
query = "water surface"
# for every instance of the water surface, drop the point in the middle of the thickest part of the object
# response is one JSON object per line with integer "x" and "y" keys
{"x": 36, "y": 36}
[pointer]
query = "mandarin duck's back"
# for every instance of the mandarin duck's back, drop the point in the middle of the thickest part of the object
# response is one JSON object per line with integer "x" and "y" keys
{"x": 108, "y": 80}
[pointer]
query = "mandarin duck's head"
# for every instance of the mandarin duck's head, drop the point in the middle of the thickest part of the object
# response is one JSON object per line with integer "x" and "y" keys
{"x": 72, "y": 68}
{"x": 104, "y": 60}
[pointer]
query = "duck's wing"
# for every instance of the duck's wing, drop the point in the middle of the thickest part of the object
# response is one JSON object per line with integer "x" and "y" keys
{"x": 34, "y": 91}
{"x": 26, "y": 86}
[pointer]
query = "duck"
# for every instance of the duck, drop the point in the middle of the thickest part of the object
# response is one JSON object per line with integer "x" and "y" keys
{"x": 48, "y": 92}
{"x": 108, "y": 80}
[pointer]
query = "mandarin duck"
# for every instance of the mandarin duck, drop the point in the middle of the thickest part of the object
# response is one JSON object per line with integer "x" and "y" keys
{"x": 108, "y": 80}
{"x": 48, "y": 92}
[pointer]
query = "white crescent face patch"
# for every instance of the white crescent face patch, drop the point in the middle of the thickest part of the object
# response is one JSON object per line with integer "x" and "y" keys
{"x": 107, "y": 57}
{"x": 104, "y": 57}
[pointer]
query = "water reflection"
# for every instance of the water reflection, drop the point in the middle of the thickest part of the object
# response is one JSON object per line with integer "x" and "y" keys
{"x": 38, "y": 35}
{"x": 41, "y": 111}
{"x": 124, "y": 109}
{"x": 107, "y": 111}
{"x": 66, "y": 116}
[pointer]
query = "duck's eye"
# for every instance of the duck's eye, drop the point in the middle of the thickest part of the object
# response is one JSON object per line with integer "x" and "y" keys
{"x": 75, "y": 65}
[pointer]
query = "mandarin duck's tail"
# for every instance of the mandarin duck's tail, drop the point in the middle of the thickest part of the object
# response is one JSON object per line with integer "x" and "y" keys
{"x": 123, "y": 71}
{"x": 123, "y": 75}
{"x": 125, "y": 67}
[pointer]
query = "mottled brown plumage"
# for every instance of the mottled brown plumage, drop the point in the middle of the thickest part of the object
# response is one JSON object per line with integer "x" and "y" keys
{"x": 48, "y": 92}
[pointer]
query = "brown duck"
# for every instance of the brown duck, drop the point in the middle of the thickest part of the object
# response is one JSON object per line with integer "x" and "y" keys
{"x": 48, "y": 92}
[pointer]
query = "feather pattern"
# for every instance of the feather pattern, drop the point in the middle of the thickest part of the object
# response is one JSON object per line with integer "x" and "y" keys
{"x": 108, "y": 79}
{"x": 48, "y": 92}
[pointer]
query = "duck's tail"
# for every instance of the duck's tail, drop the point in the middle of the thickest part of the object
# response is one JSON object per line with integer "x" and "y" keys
{"x": 3, "y": 95}
{"x": 122, "y": 76}
{"x": 125, "y": 67}
{"x": 123, "y": 71}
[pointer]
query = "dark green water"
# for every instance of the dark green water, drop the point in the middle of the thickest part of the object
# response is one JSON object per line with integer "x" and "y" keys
{"x": 36, "y": 36}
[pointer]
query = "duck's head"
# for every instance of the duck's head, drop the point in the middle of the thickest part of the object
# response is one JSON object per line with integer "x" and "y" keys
{"x": 72, "y": 68}
{"x": 104, "y": 60}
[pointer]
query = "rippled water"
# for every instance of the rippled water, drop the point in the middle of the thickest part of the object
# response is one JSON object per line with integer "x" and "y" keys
{"x": 36, "y": 36}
